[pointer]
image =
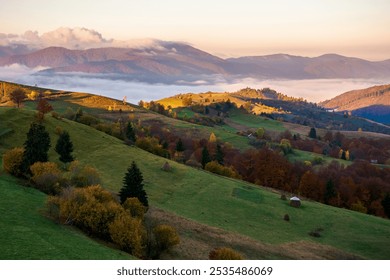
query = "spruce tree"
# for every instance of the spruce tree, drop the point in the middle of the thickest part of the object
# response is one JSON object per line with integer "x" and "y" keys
{"x": 36, "y": 146}
{"x": 219, "y": 155}
{"x": 64, "y": 147}
{"x": 133, "y": 185}
{"x": 179, "y": 146}
{"x": 330, "y": 191}
{"x": 205, "y": 157}
{"x": 130, "y": 134}
{"x": 386, "y": 205}
{"x": 313, "y": 133}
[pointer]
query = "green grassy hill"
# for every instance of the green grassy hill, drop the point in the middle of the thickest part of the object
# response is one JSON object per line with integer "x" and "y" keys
{"x": 231, "y": 205}
{"x": 25, "y": 233}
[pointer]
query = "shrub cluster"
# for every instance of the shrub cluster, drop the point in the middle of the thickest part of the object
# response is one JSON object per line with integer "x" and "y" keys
{"x": 224, "y": 253}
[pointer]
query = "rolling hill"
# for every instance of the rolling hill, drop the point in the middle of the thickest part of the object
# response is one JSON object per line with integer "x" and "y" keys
{"x": 207, "y": 203}
{"x": 25, "y": 233}
{"x": 371, "y": 103}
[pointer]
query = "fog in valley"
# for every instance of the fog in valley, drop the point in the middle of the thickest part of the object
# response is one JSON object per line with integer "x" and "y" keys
{"x": 313, "y": 90}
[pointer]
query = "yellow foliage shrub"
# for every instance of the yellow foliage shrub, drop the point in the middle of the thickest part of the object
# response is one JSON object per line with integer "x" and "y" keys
{"x": 166, "y": 237}
{"x": 46, "y": 177}
{"x": 12, "y": 161}
{"x": 82, "y": 176}
{"x": 225, "y": 254}
{"x": 135, "y": 208}
{"x": 215, "y": 167}
{"x": 128, "y": 233}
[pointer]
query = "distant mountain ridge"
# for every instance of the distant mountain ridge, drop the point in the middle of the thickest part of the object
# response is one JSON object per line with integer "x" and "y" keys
{"x": 174, "y": 61}
{"x": 371, "y": 103}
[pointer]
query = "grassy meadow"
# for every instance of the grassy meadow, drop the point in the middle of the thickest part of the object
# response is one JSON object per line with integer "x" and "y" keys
{"x": 26, "y": 233}
{"x": 232, "y": 205}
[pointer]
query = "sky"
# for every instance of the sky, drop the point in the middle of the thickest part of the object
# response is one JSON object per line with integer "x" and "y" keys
{"x": 358, "y": 28}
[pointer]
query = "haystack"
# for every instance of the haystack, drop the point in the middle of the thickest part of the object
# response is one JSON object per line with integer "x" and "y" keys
{"x": 295, "y": 202}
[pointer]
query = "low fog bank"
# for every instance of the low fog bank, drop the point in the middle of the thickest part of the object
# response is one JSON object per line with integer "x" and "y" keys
{"x": 314, "y": 90}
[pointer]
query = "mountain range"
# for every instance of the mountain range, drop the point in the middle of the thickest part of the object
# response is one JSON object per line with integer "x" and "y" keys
{"x": 371, "y": 103}
{"x": 179, "y": 62}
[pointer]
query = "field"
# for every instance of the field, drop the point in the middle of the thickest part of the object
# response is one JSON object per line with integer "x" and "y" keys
{"x": 25, "y": 233}
{"x": 199, "y": 196}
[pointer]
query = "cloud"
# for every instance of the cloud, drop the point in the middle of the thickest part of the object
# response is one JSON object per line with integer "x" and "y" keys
{"x": 77, "y": 38}
{"x": 313, "y": 90}
{"x": 117, "y": 87}
{"x": 14, "y": 72}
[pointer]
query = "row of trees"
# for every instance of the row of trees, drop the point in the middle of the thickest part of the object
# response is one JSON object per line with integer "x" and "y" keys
{"x": 18, "y": 161}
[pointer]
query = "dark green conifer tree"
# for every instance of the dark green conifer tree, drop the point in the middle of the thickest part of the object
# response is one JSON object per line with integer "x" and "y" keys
{"x": 179, "y": 146}
{"x": 313, "y": 133}
{"x": 130, "y": 134}
{"x": 36, "y": 146}
{"x": 205, "y": 156}
{"x": 386, "y": 205}
{"x": 64, "y": 147}
{"x": 330, "y": 191}
{"x": 133, "y": 185}
{"x": 219, "y": 155}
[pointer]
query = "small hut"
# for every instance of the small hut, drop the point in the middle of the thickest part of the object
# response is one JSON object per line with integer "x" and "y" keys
{"x": 295, "y": 202}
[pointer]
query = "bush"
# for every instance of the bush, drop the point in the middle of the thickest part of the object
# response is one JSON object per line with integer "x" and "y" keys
{"x": 53, "y": 204}
{"x": 59, "y": 130}
{"x": 70, "y": 114}
{"x": 91, "y": 209}
{"x": 135, "y": 208}
{"x": 55, "y": 115}
{"x": 46, "y": 177}
{"x": 82, "y": 176}
{"x": 217, "y": 168}
{"x": 88, "y": 120}
{"x": 128, "y": 233}
{"x": 166, "y": 237}
{"x": 225, "y": 254}
{"x": 12, "y": 161}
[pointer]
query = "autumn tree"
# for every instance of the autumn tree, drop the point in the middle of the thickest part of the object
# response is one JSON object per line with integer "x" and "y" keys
{"x": 212, "y": 138}
{"x": 36, "y": 146}
{"x": 64, "y": 147}
{"x": 133, "y": 185}
{"x": 17, "y": 96}
{"x": 44, "y": 106}
{"x": 310, "y": 186}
